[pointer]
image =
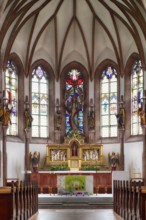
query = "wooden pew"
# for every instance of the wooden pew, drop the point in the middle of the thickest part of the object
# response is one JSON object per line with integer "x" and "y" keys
{"x": 7, "y": 203}
{"x": 129, "y": 200}
{"x": 18, "y": 201}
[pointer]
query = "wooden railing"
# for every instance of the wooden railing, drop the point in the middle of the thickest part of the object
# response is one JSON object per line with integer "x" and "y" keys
{"x": 18, "y": 201}
{"x": 129, "y": 200}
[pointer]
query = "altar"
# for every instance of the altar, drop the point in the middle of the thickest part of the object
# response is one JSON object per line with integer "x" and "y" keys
{"x": 51, "y": 181}
{"x": 73, "y": 166}
{"x": 74, "y": 155}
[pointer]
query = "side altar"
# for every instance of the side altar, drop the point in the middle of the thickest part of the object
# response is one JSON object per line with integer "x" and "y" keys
{"x": 74, "y": 155}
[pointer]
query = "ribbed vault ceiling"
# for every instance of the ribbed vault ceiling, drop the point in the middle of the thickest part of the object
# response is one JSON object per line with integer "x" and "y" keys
{"x": 62, "y": 31}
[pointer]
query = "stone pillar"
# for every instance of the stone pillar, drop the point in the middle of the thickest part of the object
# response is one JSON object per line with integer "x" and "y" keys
{"x": 144, "y": 155}
{"x": 142, "y": 114}
{"x": 121, "y": 126}
{"x": 57, "y": 136}
{"x": 91, "y": 123}
{"x": 4, "y": 153}
{"x": 91, "y": 136}
{"x": 27, "y": 138}
{"x": 58, "y": 122}
{"x": 122, "y": 162}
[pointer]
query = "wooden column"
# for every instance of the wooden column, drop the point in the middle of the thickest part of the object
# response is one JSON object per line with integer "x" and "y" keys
{"x": 4, "y": 153}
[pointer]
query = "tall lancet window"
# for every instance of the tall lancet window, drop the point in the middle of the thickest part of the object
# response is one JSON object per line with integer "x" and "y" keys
{"x": 74, "y": 101}
{"x": 108, "y": 103}
{"x": 11, "y": 93}
{"x": 136, "y": 95}
{"x": 40, "y": 104}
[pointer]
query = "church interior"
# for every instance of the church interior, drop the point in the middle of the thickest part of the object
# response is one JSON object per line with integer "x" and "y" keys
{"x": 73, "y": 100}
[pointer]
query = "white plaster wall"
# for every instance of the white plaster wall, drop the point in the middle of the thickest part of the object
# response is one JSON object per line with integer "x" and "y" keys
{"x": 133, "y": 157}
{"x": 15, "y": 160}
{"x": 16, "y": 156}
{"x": 39, "y": 148}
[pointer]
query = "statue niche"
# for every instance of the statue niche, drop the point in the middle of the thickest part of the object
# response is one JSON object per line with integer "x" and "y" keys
{"x": 74, "y": 149}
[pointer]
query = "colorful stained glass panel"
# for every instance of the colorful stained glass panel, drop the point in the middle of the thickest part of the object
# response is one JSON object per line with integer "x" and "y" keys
{"x": 11, "y": 85}
{"x": 74, "y": 96}
{"x": 40, "y": 104}
{"x": 136, "y": 96}
{"x": 108, "y": 104}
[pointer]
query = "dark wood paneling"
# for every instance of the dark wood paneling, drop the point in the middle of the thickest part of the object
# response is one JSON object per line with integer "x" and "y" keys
{"x": 50, "y": 180}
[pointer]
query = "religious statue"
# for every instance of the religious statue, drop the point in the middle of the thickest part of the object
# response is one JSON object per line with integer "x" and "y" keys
{"x": 28, "y": 119}
{"x": 121, "y": 118}
{"x": 1, "y": 113}
{"x": 7, "y": 116}
{"x": 74, "y": 149}
{"x": 113, "y": 160}
{"x": 142, "y": 115}
{"x": 34, "y": 161}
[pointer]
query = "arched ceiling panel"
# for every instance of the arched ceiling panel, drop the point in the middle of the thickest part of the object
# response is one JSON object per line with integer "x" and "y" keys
{"x": 75, "y": 42}
{"x": 101, "y": 12}
{"x": 74, "y": 56}
{"x": 8, "y": 35}
{"x": 66, "y": 30}
{"x": 21, "y": 41}
{"x": 64, "y": 16}
{"x": 2, "y": 14}
{"x": 46, "y": 43}
{"x": 102, "y": 41}
{"x": 86, "y": 21}
{"x": 36, "y": 7}
{"x": 44, "y": 17}
{"x": 107, "y": 53}
{"x": 126, "y": 40}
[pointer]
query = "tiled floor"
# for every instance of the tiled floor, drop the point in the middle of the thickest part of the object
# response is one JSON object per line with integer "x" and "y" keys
{"x": 75, "y": 214}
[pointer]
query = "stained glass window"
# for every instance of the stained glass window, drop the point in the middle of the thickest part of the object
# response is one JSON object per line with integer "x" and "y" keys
{"x": 74, "y": 101}
{"x": 40, "y": 105}
{"x": 108, "y": 103}
{"x": 136, "y": 95}
{"x": 11, "y": 92}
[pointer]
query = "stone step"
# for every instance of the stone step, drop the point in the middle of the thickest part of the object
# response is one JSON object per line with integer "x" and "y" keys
{"x": 71, "y": 201}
